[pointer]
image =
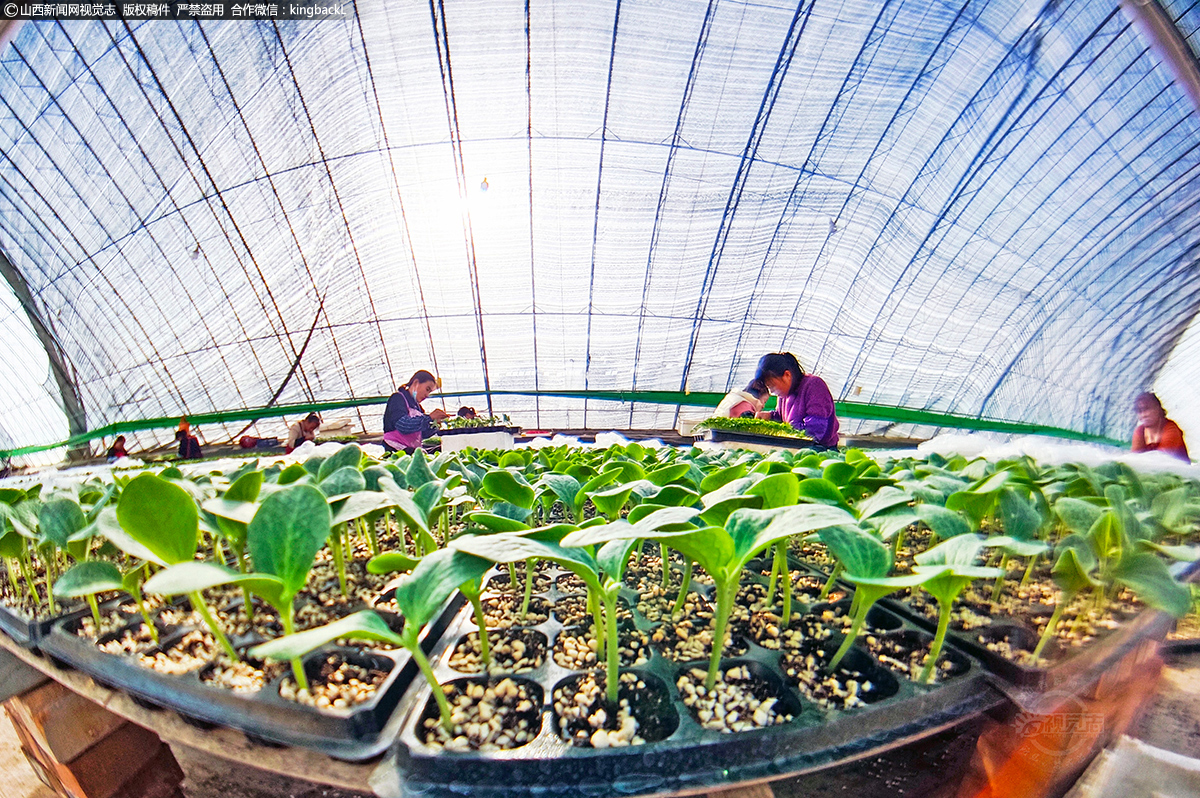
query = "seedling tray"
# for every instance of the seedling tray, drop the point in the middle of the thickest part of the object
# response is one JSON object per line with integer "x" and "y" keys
{"x": 473, "y": 430}
{"x": 1149, "y": 624}
{"x": 689, "y": 756}
{"x": 29, "y": 632}
{"x": 768, "y": 441}
{"x": 494, "y": 437}
{"x": 352, "y": 734}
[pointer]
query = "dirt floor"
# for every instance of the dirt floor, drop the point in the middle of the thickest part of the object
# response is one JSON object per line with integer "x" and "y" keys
{"x": 211, "y": 778}
{"x": 1172, "y": 721}
{"x": 17, "y": 779}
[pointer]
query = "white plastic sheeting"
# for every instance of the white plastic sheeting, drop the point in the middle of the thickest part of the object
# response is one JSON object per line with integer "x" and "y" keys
{"x": 974, "y": 207}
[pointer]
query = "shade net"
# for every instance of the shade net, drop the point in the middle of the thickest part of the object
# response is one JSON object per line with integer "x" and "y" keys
{"x": 986, "y": 209}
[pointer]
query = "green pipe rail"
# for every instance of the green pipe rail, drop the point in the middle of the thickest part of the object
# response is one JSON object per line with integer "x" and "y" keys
{"x": 857, "y": 410}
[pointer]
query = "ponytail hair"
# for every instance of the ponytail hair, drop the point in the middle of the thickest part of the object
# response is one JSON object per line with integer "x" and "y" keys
{"x": 776, "y": 364}
{"x": 422, "y": 376}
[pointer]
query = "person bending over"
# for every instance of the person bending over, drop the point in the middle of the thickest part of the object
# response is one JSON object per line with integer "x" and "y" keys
{"x": 302, "y": 431}
{"x": 738, "y": 404}
{"x": 117, "y": 450}
{"x": 189, "y": 444}
{"x": 804, "y": 399}
{"x": 405, "y": 423}
{"x": 1155, "y": 432}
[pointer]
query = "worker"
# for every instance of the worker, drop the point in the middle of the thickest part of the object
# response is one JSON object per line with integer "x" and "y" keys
{"x": 189, "y": 445}
{"x": 405, "y": 422}
{"x": 301, "y": 431}
{"x": 804, "y": 399}
{"x": 739, "y": 404}
{"x": 117, "y": 450}
{"x": 1155, "y": 432}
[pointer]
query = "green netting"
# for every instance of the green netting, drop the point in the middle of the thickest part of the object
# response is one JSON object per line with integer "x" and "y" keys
{"x": 857, "y": 410}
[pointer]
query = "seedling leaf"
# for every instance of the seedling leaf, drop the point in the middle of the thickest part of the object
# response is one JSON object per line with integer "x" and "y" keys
{"x": 161, "y": 516}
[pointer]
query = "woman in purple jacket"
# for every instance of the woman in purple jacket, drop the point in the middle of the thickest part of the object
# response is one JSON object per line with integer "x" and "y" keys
{"x": 804, "y": 399}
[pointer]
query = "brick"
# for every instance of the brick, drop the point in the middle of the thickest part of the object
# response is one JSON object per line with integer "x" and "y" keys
{"x": 67, "y": 722}
{"x": 160, "y": 778}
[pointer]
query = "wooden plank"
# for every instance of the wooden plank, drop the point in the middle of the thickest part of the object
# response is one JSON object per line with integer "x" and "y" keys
{"x": 751, "y": 791}
{"x": 222, "y": 743}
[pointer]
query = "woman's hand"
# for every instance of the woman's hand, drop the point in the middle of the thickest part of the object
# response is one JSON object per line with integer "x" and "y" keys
{"x": 438, "y": 414}
{"x": 763, "y": 414}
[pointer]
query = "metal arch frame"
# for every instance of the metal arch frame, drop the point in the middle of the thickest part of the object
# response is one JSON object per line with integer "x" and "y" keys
{"x": 903, "y": 201}
{"x": 981, "y": 177}
{"x": 60, "y": 366}
{"x": 1085, "y": 257}
{"x": 749, "y": 154}
{"x": 1190, "y": 299}
{"x": 612, "y": 57}
{"x": 1047, "y": 275}
{"x": 287, "y": 59}
{"x": 441, "y": 37}
{"x": 928, "y": 70}
{"x": 1017, "y": 55}
{"x": 87, "y": 257}
{"x": 145, "y": 157}
{"x": 808, "y": 169}
{"x": 284, "y": 338}
{"x": 1129, "y": 338}
{"x": 676, "y": 140}
{"x": 1037, "y": 334}
{"x": 412, "y": 254}
{"x": 70, "y": 121}
{"x": 1165, "y": 40}
{"x": 533, "y": 308}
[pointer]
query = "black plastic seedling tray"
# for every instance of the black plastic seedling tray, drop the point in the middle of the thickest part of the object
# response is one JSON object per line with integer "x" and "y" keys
{"x": 28, "y": 632}
{"x": 689, "y": 756}
{"x": 1147, "y": 624}
{"x": 776, "y": 441}
{"x": 352, "y": 734}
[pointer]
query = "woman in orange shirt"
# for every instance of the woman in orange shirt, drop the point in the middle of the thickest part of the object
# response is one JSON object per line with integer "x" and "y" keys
{"x": 1155, "y": 432}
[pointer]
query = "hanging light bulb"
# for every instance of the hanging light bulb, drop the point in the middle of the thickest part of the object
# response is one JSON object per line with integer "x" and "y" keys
{"x": 196, "y": 252}
{"x": 483, "y": 186}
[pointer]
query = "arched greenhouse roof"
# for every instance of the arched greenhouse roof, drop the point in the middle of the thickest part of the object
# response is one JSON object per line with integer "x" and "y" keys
{"x": 979, "y": 208}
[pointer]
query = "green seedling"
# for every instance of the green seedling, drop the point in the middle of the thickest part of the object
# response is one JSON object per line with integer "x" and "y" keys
{"x": 233, "y": 512}
{"x": 948, "y": 568}
{"x": 419, "y": 595}
{"x": 86, "y": 579}
{"x": 60, "y": 520}
{"x": 512, "y": 504}
{"x": 162, "y": 518}
{"x": 513, "y": 547}
{"x": 866, "y": 562}
{"x": 284, "y": 536}
{"x": 777, "y": 490}
{"x": 338, "y": 477}
{"x": 1072, "y": 574}
{"x": 722, "y": 552}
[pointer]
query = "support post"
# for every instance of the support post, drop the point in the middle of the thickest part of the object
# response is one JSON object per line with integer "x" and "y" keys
{"x": 72, "y": 404}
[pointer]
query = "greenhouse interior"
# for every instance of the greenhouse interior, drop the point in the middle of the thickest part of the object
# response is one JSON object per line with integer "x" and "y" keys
{"x": 590, "y": 398}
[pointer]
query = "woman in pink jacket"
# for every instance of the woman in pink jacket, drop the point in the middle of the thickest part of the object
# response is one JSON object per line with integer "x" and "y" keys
{"x": 804, "y": 399}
